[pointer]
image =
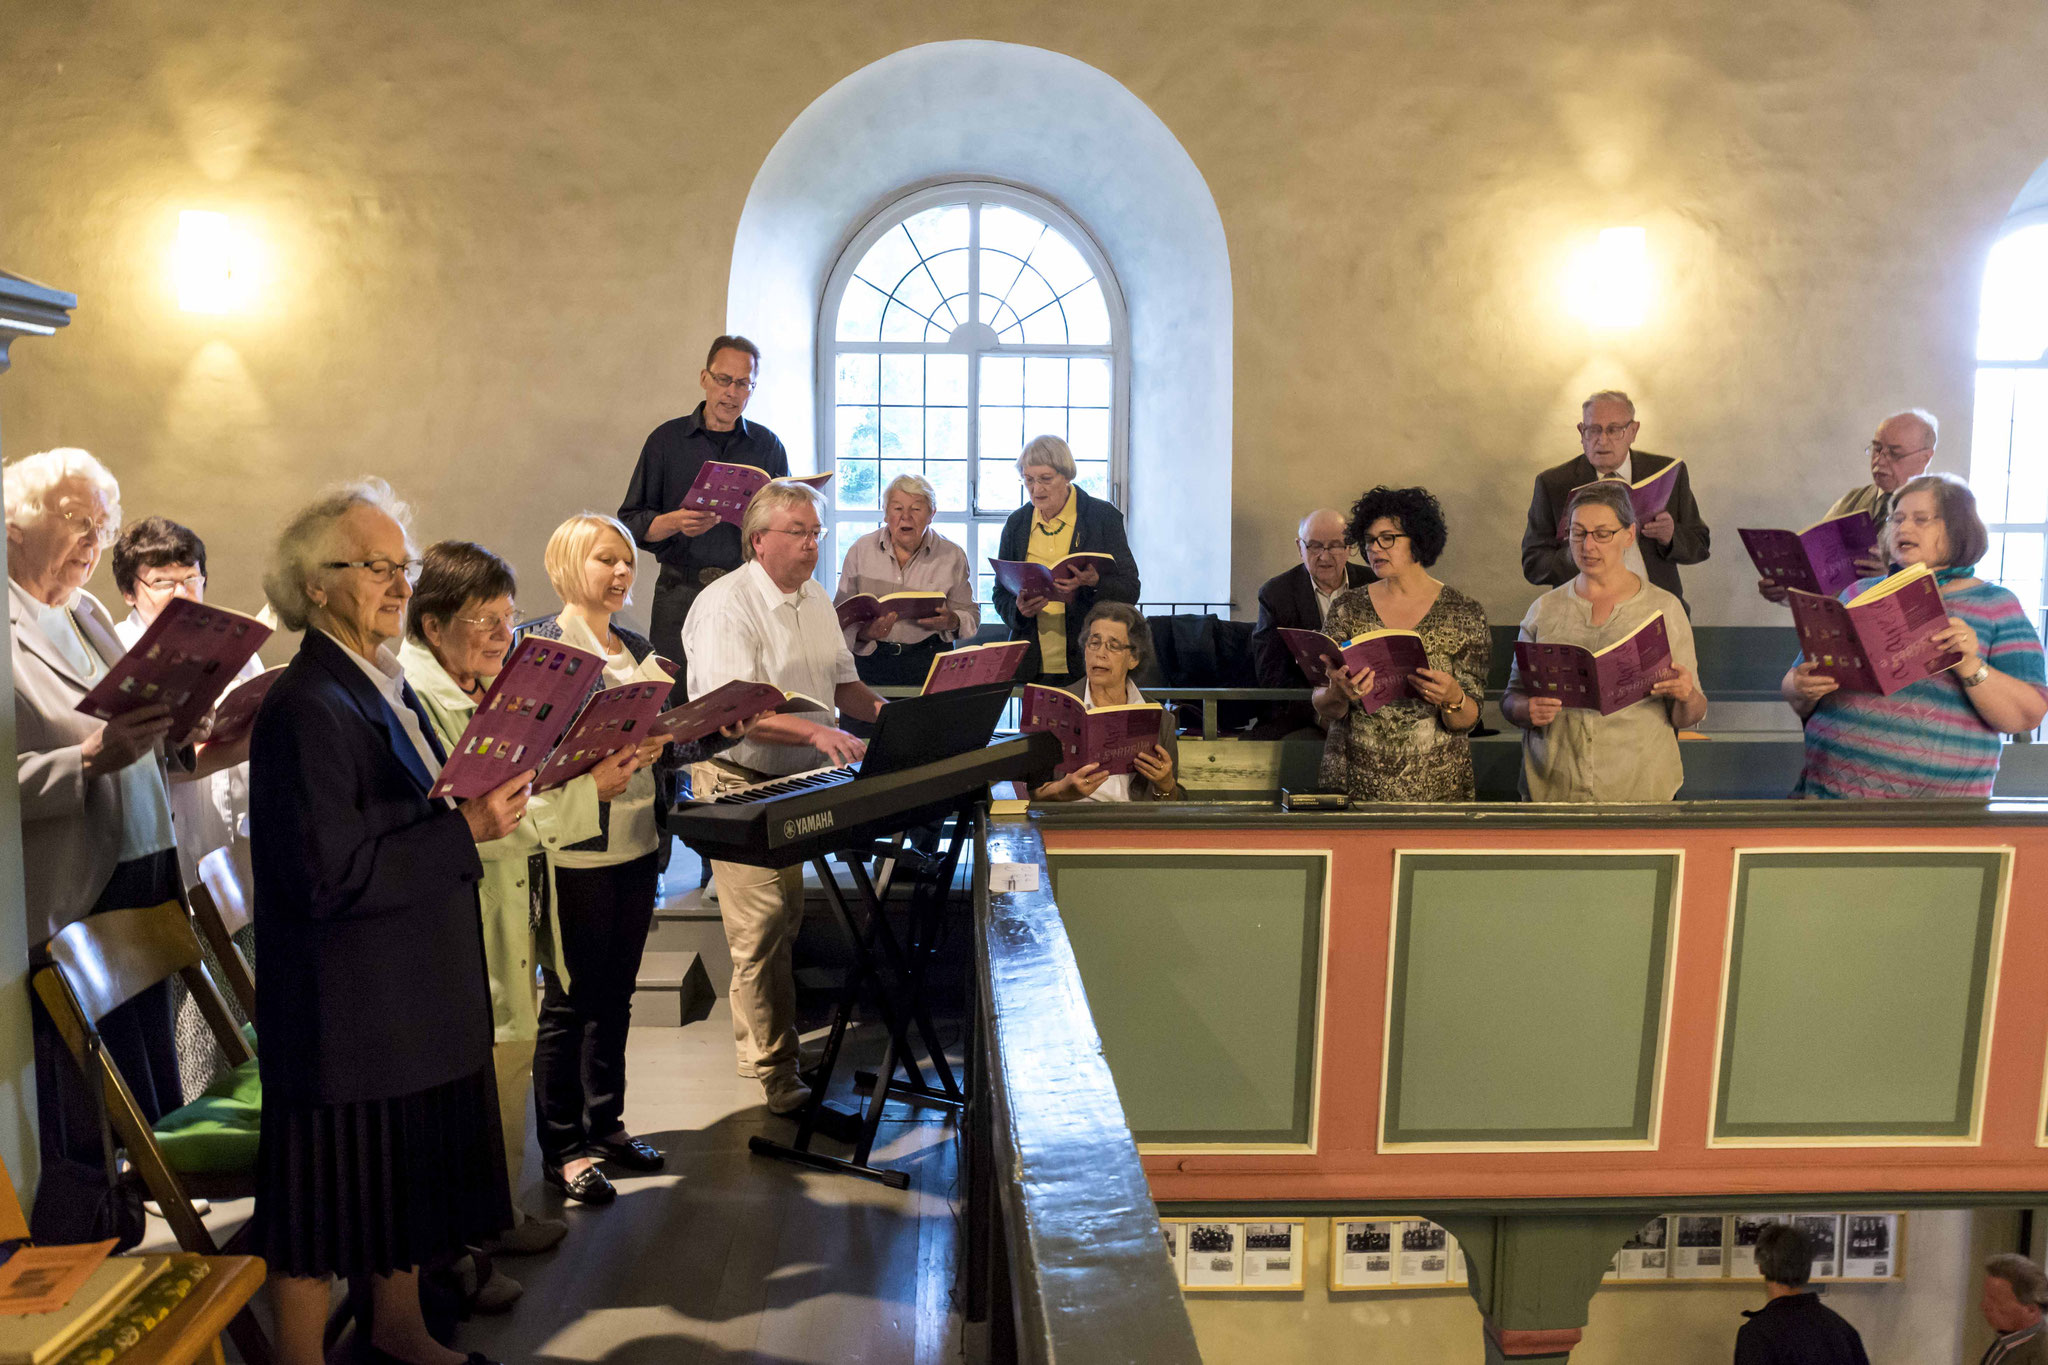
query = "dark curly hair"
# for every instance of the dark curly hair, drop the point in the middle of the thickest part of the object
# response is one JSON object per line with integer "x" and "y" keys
{"x": 1417, "y": 511}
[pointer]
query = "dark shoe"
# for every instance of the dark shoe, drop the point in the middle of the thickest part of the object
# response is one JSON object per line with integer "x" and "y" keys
{"x": 623, "y": 1149}
{"x": 589, "y": 1186}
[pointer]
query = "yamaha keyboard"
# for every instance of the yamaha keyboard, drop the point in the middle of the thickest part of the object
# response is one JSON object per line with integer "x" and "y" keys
{"x": 790, "y": 820}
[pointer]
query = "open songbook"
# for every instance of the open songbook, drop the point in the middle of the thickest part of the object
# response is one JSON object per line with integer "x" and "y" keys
{"x": 864, "y": 607}
{"x": 1026, "y": 579}
{"x": 1603, "y": 680}
{"x": 1880, "y": 640}
{"x": 976, "y": 666}
{"x": 1821, "y": 559}
{"x": 1391, "y": 655}
{"x": 1112, "y": 736}
{"x": 525, "y": 712}
{"x": 617, "y": 718}
{"x": 726, "y": 705}
{"x": 236, "y": 714}
{"x": 1650, "y": 494}
{"x": 727, "y": 488}
{"x": 186, "y": 659}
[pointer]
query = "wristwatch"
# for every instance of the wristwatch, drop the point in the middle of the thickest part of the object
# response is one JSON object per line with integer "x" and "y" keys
{"x": 1976, "y": 679}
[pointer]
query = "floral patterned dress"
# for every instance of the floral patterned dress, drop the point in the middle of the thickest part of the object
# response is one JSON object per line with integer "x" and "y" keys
{"x": 1402, "y": 752}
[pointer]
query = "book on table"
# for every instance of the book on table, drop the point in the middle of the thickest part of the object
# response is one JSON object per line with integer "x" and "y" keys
{"x": 617, "y": 718}
{"x": 864, "y": 607}
{"x": 976, "y": 666}
{"x": 1391, "y": 655}
{"x": 1109, "y": 736}
{"x": 1880, "y": 640}
{"x": 1650, "y": 495}
{"x": 34, "y": 1338}
{"x": 524, "y": 713}
{"x": 189, "y": 656}
{"x": 1604, "y": 680}
{"x": 1027, "y": 579}
{"x": 1821, "y": 559}
{"x": 726, "y": 705}
{"x": 727, "y": 488}
{"x": 236, "y": 714}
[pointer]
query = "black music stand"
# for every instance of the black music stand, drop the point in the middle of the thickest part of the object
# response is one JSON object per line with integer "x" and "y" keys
{"x": 912, "y": 731}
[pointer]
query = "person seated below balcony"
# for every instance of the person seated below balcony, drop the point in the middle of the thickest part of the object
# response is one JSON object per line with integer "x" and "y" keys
{"x": 1116, "y": 643}
{"x": 1944, "y": 735}
{"x": 1414, "y": 747}
{"x": 1575, "y": 753}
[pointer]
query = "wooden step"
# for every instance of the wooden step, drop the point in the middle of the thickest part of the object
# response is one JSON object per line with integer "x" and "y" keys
{"x": 673, "y": 989}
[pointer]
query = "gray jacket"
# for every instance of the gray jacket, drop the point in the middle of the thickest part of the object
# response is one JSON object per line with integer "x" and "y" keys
{"x": 70, "y": 823}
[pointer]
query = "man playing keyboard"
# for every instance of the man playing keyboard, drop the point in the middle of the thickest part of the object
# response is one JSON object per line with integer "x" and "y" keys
{"x": 771, "y": 622}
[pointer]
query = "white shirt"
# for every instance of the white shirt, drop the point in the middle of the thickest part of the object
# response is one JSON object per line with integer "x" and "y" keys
{"x": 744, "y": 627}
{"x": 209, "y": 812}
{"x": 145, "y": 806}
{"x": 1633, "y": 557}
{"x": 630, "y": 828}
{"x": 1118, "y": 788}
{"x": 1323, "y": 601}
{"x": 388, "y": 677}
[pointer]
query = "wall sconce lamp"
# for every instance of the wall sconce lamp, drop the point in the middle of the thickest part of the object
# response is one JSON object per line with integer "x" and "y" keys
{"x": 217, "y": 266}
{"x": 1608, "y": 281}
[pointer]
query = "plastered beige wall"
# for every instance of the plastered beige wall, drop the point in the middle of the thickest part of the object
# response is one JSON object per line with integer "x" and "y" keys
{"x": 1928, "y": 1318}
{"x": 501, "y": 233}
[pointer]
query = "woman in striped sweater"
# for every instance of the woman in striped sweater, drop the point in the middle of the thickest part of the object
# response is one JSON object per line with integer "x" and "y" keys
{"x": 1943, "y": 735}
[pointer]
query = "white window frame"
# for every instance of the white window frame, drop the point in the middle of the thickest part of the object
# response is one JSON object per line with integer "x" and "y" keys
{"x": 961, "y": 524}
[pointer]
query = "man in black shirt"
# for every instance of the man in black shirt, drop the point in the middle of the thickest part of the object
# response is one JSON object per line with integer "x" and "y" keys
{"x": 695, "y": 548}
{"x": 1794, "y": 1327}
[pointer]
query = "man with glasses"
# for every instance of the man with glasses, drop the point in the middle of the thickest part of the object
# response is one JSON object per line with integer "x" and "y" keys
{"x": 1299, "y": 599}
{"x": 1899, "y": 452}
{"x": 695, "y": 548}
{"x": 1607, "y": 432}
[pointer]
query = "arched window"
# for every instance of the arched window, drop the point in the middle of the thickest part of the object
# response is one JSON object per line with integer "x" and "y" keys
{"x": 960, "y": 322}
{"x": 2009, "y": 436}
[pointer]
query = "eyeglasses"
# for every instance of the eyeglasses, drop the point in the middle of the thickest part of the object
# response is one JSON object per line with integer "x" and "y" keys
{"x": 78, "y": 523}
{"x": 1386, "y": 540}
{"x": 1109, "y": 647}
{"x": 1579, "y": 535}
{"x": 1914, "y": 519}
{"x": 731, "y": 381}
{"x": 190, "y": 582}
{"x": 1324, "y": 547}
{"x": 489, "y": 625}
{"x": 1893, "y": 454}
{"x": 807, "y": 537}
{"x": 380, "y": 570}
{"x": 1612, "y": 429}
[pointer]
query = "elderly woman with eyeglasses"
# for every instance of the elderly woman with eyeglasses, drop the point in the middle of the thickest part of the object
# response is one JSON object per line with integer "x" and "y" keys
{"x": 96, "y": 828}
{"x": 380, "y": 1147}
{"x": 1059, "y": 520}
{"x": 906, "y": 555}
{"x": 1413, "y": 748}
{"x": 1575, "y": 753}
{"x": 1116, "y": 643}
{"x": 1944, "y": 735}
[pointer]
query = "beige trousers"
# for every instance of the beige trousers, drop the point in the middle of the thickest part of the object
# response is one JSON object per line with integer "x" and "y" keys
{"x": 514, "y": 1064}
{"x": 762, "y": 909}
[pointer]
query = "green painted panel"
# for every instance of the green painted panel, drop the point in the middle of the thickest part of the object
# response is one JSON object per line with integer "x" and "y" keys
{"x": 1202, "y": 973}
{"x": 1856, "y": 993}
{"x": 1528, "y": 996}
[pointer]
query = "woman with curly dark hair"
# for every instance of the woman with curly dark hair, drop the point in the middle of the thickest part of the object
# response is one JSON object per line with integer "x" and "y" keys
{"x": 1413, "y": 748}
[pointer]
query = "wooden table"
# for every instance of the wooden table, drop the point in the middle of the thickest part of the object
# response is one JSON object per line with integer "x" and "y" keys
{"x": 192, "y": 1331}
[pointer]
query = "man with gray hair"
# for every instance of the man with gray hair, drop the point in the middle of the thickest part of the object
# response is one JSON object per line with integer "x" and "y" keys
{"x": 2015, "y": 1292}
{"x": 1607, "y": 432}
{"x": 1299, "y": 599}
{"x": 1899, "y": 452}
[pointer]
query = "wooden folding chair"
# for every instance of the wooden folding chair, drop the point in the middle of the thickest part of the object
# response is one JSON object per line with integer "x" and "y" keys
{"x": 99, "y": 964}
{"x": 220, "y": 907}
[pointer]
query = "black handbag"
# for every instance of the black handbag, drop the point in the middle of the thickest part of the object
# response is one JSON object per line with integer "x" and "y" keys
{"x": 79, "y": 1202}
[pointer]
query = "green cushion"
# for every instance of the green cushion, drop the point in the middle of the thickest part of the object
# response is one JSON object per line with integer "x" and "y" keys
{"x": 216, "y": 1133}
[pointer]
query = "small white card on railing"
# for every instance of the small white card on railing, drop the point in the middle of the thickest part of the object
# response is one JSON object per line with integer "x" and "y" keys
{"x": 1013, "y": 876}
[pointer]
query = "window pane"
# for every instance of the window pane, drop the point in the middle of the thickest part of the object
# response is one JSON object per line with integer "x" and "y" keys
{"x": 1046, "y": 327}
{"x": 988, "y": 538}
{"x": 860, "y": 312}
{"x": 902, "y": 433}
{"x": 1045, "y": 381}
{"x": 1087, "y": 316}
{"x": 2022, "y": 568}
{"x": 1991, "y": 442}
{"x": 1088, "y": 433}
{"x": 1044, "y": 422}
{"x": 1002, "y": 440}
{"x": 854, "y": 485}
{"x": 949, "y": 481}
{"x": 1029, "y": 295}
{"x": 902, "y": 379}
{"x": 1090, "y": 383}
{"x": 1006, "y": 229}
{"x": 2013, "y": 320}
{"x": 856, "y": 378}
{"x": 1094, "y": 477}
{"x": 945, "y": 433}
{"x": 1062, "y": 266}
{"x": 998, "y": 314}
{"x": 892, "y": 469}
{"x": 2027, "y": 499}
{"x": 888, "y": 261}
{"x": 938, "y": 229}
{"x": 857, "y": 431}
{"x": 945, "y": 378}
{"x": 918, "y": 293}
{"x": 902, "y": 324}
{"x": 949, "y": 273}
{"x": 1002, "y": 381}
{"x": 845, "y": 531}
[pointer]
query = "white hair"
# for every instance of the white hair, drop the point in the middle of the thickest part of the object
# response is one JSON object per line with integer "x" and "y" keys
{"x": 1049, "y": 452}
{"x": 1610, "y": 396}
{"x": 1925, "y": 419}
{"x": 305, "y": 543}
{"x": 780, "y": 495}
{"x": 917, "y": 485}
{"x": 29, "y": 481}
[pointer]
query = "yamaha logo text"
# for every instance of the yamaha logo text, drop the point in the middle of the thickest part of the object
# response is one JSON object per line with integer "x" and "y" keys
{"x": 809, "y": 824}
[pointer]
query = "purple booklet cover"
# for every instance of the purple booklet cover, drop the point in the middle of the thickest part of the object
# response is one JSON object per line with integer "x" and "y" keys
{"x": 1617, "y": 676}
{"x": 1391, "y": 655}
{"x": 1880, "y": 641}
{"x": 616, "y": 718}
{"x": 1820, "y": 559}
{"x": 524, "y": 714}
{"x": 186, "y": 659}
{"x": 1112, "y": 736}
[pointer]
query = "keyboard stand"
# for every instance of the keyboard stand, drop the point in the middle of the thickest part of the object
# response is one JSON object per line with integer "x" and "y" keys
{"x": 896, "y": 982}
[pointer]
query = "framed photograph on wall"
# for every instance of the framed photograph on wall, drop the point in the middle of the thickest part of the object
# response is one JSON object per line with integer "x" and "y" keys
{"x": 1647, "y": 1255}
{"x": 1872, "y": 1246}
{"x": 1273, "y": 1255}
{"x": 1700, "y": 1253}
{"x": 1825, "y": 1230}
{"x": 1362, "y": 1253}
{"x": 1425, "y": 1254}
{"x": 1214, "y": 1256}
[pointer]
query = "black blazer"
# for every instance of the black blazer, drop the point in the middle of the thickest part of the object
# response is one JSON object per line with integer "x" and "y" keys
{"x": 373, "y": 982}
{"x": 1289, "y": 599}
{"x": 1098, "y": 526}
{"x": 1547, "y": 559}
